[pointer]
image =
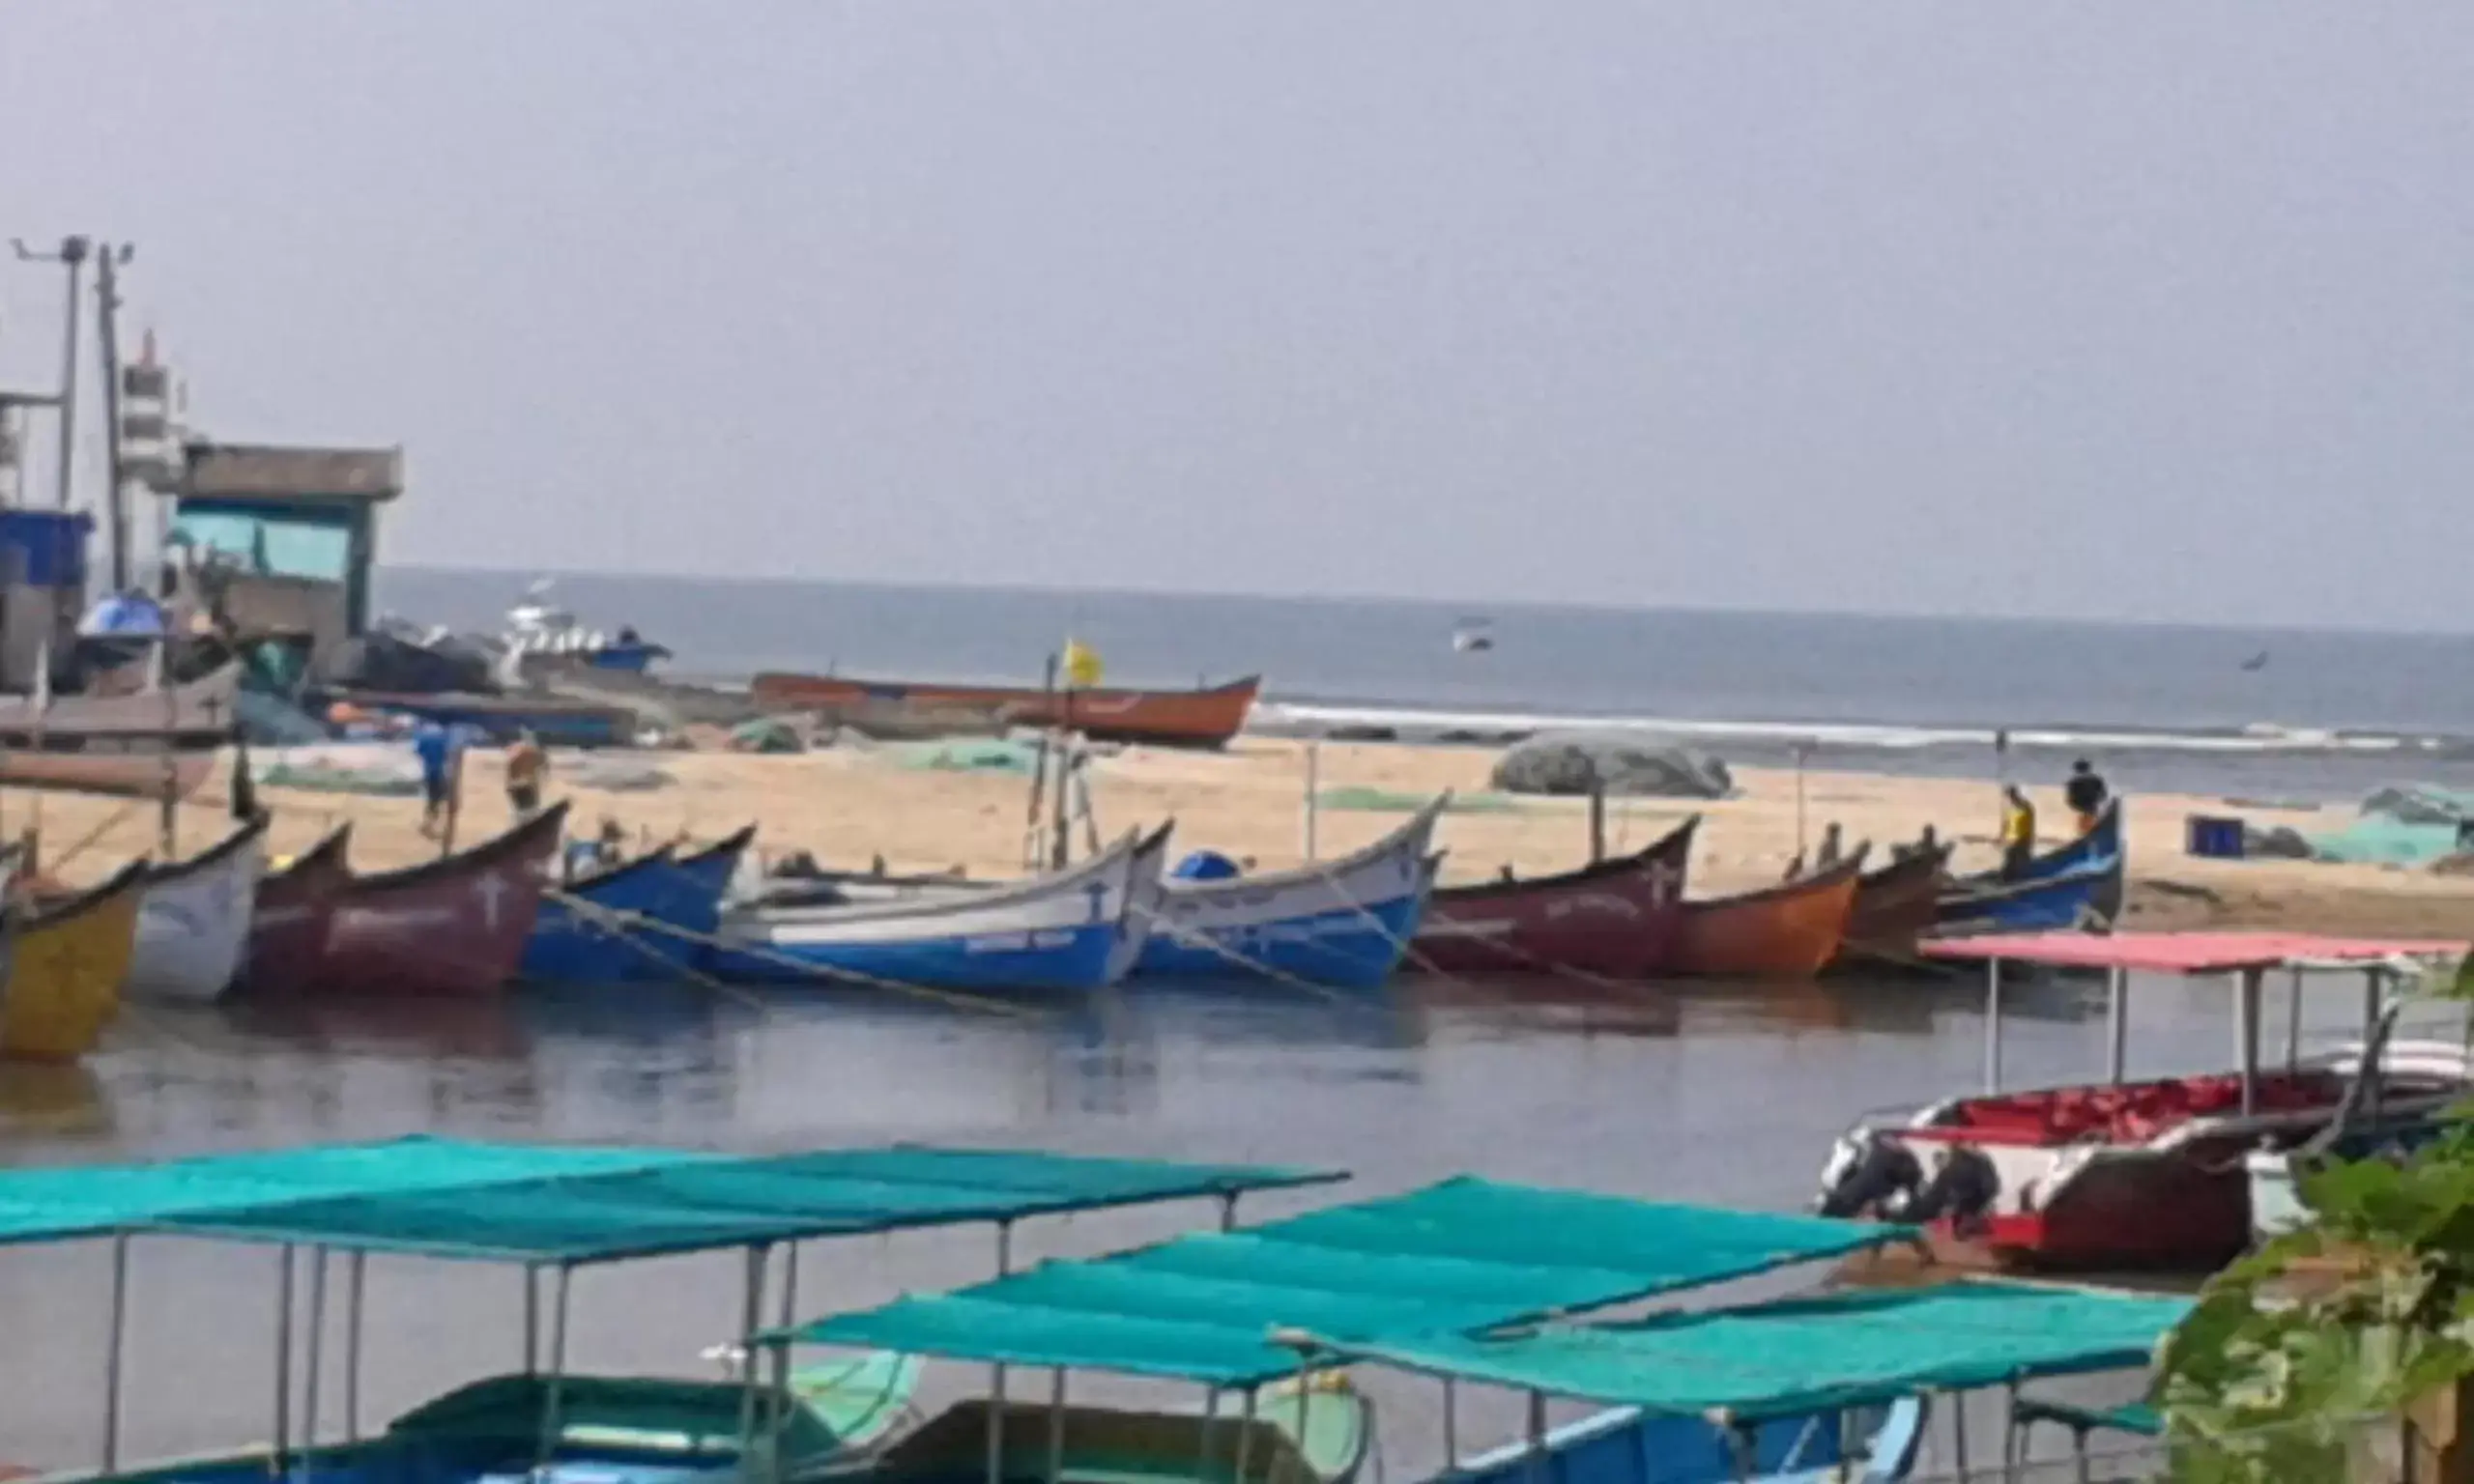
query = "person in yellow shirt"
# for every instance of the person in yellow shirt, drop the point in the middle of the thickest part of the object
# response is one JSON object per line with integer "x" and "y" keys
{"x": 2018, "y": 832}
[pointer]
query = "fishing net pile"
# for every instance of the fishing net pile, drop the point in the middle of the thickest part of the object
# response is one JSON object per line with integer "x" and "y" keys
{"x": 2401, "y": 824}
{"x": 1637, "y": 766}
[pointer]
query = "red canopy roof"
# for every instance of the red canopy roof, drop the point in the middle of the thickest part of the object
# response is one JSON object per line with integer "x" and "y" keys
{"x": 2186, "y": 952}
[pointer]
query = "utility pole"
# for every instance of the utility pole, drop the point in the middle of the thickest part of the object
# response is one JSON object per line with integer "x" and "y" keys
{"x": 72, "y": 253}
{"x": 108, "y": 323}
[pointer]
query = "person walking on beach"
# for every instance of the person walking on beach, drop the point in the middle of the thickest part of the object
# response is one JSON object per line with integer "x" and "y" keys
{"x": 2086, "y": 793}
{"x": 436, "y": 749}
{"x": 526, "y": 767}
{"x": 2018, "y": 833}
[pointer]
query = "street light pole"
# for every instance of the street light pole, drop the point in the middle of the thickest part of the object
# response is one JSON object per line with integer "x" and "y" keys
{"x": 72, "y": 253}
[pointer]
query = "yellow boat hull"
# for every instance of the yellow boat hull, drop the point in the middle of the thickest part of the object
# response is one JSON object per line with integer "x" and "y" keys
{"x": 65, "y": 968}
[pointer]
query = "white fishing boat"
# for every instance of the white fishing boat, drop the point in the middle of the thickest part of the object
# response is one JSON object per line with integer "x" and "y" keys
{"x": 1343, "y": 923}
{"x": 193, "y": 919}
{"x": 1058, "y": 932}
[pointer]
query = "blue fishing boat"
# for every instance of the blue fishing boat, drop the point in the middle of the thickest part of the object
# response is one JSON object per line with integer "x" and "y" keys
{"x": 1061, "y": 932}
{"x": 1344, "y": 922}
{"x": 2101, "y": 844}
{"x": 641, "y": 920}
{"x": 2084, "y": 898}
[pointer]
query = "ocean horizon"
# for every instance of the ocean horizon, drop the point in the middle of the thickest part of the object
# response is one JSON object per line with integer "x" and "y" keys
{"x": 2330, "y": 713}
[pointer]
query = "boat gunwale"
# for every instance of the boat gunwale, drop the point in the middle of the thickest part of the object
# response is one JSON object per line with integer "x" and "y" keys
{"x": 1419, "y": 823}
{"x": 1679, "y": 838}
{"x": 1843, "y": 875}
{"x": 734, "y": 843}
{"x": 489, "y": 852}
{"x": 129, "y": 879}
{"x": 1009, "y": 893}
{"x": 253, "y": 829}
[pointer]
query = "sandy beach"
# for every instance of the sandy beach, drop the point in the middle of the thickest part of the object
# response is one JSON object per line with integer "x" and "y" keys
{"x": 849, "y": 806}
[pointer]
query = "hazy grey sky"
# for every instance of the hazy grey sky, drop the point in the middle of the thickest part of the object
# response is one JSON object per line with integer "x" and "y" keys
{"x": 2118, "y": 309}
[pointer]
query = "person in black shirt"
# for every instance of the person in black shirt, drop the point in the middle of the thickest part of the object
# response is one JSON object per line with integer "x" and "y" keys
{"x": 2086, "y": 794}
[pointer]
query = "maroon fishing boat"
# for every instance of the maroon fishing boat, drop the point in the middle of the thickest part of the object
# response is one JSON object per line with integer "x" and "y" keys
{"x": 296, "y": 903}
{"x": 453, "y": 925}
{"x": 1617, "y": 919}
{"x": 1895, "y": 907}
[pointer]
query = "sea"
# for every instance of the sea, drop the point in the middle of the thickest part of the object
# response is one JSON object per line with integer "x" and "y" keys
{"x": 2276, "y": 715}
{"x": 1728, "y": 1095}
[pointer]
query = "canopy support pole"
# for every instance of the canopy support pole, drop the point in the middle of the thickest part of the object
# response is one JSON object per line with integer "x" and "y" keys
{"x": 1210, "y": 1425}
{"x": 1740, "y": 1450}
{"x": 2116, "y": 1025}
{"x": 2293, "y": 1020}
{"x": 116, "y": 1345}
{"x": 354, "y": 1273}
{"x": 1245, "y": 1433}
{"x": 2012, "y": 1454}
{"x": 552, "y": 1425}
{"x": 750, "y": 1322}
{"x": 1957, "y": 1435}
{"x": 781, "y": 1400}
{"x": 283, "y": 1361}
{"x": 1537, "y": 1436}
{"x": 531, "y": 1319}
{"x": 1056, "y": 1427}
{"x": 1228, "y": 1210}
{"x": 2246, "y": 1035}
{"x": 1451, "y": 1425}
{"x": 316, "y": 1356}
{"x": 1992, "y": 1026}
{"x": 996, "y": 1372}
{"x": 2375, "y": 982}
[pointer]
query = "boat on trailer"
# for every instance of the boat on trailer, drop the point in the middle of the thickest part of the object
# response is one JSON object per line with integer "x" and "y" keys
{"x": 193, "y": 919}
{"x": 2118, "y": 1174}
{"x": 1617, "y": 919}
{"x": 1344, "y": 922}
{"x": 294, "y": 908}
{"x": 1791, "y": 931}
{"x": 553, "y": 1209}
{"x": 453, "y": 925}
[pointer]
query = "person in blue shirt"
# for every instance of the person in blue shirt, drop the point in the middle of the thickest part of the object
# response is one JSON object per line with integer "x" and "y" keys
{"x": 435, "y": 746}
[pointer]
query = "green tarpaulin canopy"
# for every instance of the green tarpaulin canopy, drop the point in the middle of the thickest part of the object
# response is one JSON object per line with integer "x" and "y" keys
{"x": 1463, "y": 1254}
{"x": 1803, "y": 1356}
{"x": 553, "y": 1204}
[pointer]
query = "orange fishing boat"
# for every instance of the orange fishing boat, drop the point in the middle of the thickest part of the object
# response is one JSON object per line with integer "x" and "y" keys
{"x": 1786, "y": 931}
{"x": 1894, "y": 907}
{"x": 1202, "y": 718}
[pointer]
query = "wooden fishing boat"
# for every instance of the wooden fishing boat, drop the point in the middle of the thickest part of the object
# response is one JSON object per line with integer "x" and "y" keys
{"x": 201, "y": 708}
{"x": 1060, "y": 932}
{"x": 1896, "y": 906}
{"x": 452, "y": 926}
{"x": 641, "y": 920}
{"x": 1876, "y": 1445}
{"x": 1618, "y": 919}
{"x": 2074, "y": 900}
{"x": 116, "y": 763}
{"x": 1791, "y": 931}
{"x": 67, "y": 959}
{"x": 1199, "y": 718}
{"x": 2114, "y": 1174}
{"x": 193, "y": 919}
{"x": 294, "y": 908}
{"x": 1343, "y": 923}
{"x": 2101, "y": 845}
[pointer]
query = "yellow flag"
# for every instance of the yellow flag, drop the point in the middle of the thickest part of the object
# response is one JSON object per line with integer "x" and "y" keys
{"x": 1081, "y": 664}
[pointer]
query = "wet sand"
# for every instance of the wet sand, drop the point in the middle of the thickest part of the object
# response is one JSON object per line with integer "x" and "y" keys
{"x": 851, "y": 805}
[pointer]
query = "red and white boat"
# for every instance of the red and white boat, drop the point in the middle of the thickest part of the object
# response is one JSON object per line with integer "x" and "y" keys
{"x": 2114, "y": 1174}
{"x": 296, "y": 905}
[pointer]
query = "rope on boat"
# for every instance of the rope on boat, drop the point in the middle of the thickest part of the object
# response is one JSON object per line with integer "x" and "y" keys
{"x": 596, "y": 912}
{"x": 806, "y": 970}
{"x": 1187, "y": 938}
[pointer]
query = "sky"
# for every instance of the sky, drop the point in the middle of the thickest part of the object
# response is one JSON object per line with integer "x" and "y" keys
{"x": 2113, "y": 309}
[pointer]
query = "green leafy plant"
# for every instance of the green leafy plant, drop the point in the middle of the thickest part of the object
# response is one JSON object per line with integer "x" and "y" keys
{"x": 2349, "y": 1318}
